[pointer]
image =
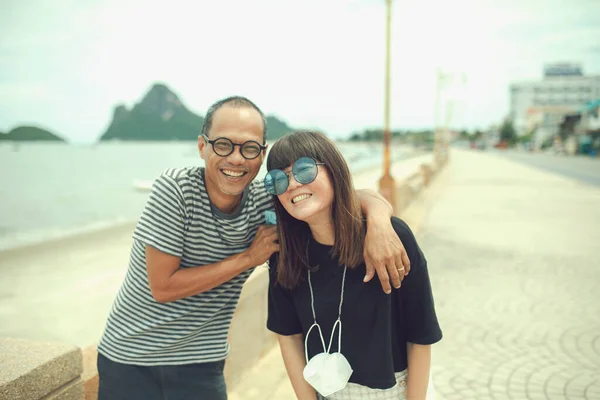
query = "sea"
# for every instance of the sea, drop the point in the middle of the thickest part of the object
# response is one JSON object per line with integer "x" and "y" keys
{"x": 53, "y": 190}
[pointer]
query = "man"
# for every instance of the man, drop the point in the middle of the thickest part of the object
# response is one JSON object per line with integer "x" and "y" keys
{"x": 198, "y": 239}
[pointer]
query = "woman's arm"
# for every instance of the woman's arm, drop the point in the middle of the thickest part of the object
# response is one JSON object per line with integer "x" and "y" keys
{"x": 419, "y": 362}
{"x": 292, "y": 350}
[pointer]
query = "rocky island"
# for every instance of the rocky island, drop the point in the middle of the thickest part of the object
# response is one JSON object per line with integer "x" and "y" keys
{"x": 161, "y": 116}
{"x": 30, "y": 133}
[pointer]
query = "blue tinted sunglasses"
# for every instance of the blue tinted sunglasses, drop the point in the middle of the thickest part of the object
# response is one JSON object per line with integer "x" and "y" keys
{"x": 304, "y": 170}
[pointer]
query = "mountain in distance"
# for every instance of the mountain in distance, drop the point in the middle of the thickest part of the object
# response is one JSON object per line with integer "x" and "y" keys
{"x": 161, "y": 116}
{"x": 30, "y": 133}
{"x": 276, "y": 128}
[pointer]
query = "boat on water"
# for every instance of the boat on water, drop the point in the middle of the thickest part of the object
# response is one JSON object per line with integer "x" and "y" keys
{"x": 142, "y": 185}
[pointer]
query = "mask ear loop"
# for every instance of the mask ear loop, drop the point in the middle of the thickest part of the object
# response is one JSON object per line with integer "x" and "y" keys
{"x": 312, "y": 305}
{"x": 339, "y": 320}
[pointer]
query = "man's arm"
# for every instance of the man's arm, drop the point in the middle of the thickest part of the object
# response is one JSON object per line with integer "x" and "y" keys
{"x": 384, "y": 252}
{"x": 168, "y": 282}
{"x": 292, "y": 350}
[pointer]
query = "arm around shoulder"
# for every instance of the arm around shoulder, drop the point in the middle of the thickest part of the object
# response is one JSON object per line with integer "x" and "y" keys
{"x": 384, "y": 251}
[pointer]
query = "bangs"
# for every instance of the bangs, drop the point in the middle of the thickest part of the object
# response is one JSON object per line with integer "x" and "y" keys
{"x": 293, "y": 146}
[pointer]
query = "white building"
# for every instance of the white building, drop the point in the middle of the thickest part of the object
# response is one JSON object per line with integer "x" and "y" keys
{"x": 541, "y": 105}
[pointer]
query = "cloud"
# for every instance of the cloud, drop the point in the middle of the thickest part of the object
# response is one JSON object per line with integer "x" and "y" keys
{"x": 21, "y": 91}
{"x": 593, "y": 49}
{"x": 317, "y": 63}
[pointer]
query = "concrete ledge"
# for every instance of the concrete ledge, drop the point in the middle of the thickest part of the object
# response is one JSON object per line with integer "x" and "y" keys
{"x": 90, "y": 373}
{"x": 72, "y": 391}
{"x": 248, "y": 337}
{"x": 415, "y": 211}
{"x": 31, "y": 370}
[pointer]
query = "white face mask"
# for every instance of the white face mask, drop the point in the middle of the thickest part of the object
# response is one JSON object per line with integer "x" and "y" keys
{"x": 327, "y": 373}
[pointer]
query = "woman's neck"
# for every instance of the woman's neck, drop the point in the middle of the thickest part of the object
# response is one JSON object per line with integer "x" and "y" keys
{"x": 323, "y": 232}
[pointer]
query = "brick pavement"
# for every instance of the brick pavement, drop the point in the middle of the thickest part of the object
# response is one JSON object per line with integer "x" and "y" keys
{"x": 513, "y": 255}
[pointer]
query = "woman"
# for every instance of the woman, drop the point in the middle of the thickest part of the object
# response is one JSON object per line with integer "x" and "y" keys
{"x": 379, "y": 345}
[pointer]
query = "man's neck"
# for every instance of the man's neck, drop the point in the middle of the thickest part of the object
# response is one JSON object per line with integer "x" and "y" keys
{"x": 225, "y": 203}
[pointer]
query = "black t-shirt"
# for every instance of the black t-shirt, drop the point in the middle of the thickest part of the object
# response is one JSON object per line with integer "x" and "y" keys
{"x": 375, "y": 327}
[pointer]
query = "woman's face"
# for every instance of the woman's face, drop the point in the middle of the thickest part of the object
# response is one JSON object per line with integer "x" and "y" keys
{"x": 312, "y": 202}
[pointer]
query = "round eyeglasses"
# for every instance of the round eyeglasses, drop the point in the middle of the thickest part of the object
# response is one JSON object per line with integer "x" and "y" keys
{"x": 224, "y": 147}
{"x": 304, "y": 170}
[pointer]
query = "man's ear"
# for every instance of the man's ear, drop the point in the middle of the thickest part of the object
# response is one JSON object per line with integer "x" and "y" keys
{"x": 264, "y": 153}
{"x": 201, "y": 145}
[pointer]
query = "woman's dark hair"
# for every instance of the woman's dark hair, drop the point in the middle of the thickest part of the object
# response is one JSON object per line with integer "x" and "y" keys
{"x": 294, "y": 235}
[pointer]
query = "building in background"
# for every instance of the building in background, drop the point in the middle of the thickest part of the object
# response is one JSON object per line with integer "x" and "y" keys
{"x": 581, "y": 131}
{"x": 539, "y": 107}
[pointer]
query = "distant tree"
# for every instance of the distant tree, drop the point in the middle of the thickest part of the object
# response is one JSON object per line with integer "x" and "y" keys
{"x": 507, "y": 132}
{"x": 355, "y": 137}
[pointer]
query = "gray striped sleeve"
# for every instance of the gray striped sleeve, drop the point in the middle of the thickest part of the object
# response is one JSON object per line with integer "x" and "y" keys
{"x": 162, "y": 223}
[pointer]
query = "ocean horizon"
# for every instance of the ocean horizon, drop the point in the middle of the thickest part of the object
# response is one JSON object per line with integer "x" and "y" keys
{"x": 55, "y": 190}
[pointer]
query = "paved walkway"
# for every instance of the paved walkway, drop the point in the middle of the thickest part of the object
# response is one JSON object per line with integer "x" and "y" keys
{"x": 514, "y": 262}
{"x": 513, "y": 255}
{"x": 583, "y": 168}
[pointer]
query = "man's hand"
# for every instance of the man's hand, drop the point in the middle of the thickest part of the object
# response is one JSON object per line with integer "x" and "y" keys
{"x": 385, "y": 253}
{"x": 264, "y": 245}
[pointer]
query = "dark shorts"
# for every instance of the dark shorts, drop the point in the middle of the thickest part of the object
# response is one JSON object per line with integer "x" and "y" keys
{"x": 170, "y": 382}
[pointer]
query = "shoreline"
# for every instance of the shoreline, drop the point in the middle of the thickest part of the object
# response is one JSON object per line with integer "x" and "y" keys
{"x": 61, "y": 290}
{"x": 28, "y": 240}
{"x": 75, "y": 239}
{"x": 31, "y": 240}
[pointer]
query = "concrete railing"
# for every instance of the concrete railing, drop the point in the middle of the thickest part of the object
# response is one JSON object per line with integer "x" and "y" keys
{"x": 248, "y": 338}
{"x": 31, "y": 370}
{"x": 409, "y": 188}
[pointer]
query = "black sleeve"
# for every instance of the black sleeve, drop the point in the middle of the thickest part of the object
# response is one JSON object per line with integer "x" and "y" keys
{"x": 415, "y": 296}
{"x": 282, "y": 316}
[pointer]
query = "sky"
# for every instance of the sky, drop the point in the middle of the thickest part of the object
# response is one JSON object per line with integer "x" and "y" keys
{"x": 65, "y": 64}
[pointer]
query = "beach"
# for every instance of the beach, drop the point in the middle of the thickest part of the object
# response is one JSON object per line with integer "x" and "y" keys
{"x": 61, "y": 290}
{"x": 51, "y": 191}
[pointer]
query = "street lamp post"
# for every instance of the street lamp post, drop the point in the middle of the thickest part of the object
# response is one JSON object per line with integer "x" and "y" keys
{"x": 387, "y": 186}
{"x": 436, "y": 118}
{"x": 442, "y": 123}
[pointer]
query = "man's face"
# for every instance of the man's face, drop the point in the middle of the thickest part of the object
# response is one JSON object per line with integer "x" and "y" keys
{"x": 231, "y": 174}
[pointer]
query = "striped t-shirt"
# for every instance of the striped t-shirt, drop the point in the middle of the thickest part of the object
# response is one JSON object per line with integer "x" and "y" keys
{"x": 180, "y": 220}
